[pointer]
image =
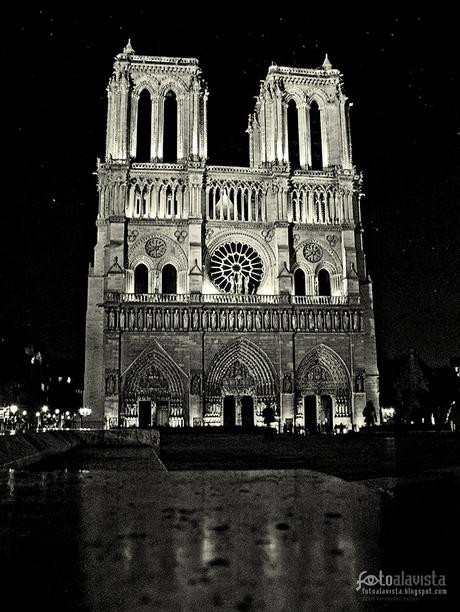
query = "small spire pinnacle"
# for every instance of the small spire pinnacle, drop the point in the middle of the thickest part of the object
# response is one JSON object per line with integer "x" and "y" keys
{"x": 326, "y": 64}
{"x": 128, "y": 49}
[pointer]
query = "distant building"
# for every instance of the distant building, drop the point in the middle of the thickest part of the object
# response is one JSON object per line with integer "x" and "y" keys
{"x": 217, "y": 291}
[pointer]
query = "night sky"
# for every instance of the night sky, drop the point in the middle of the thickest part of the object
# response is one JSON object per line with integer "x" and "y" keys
{"x": 401, "y": 73}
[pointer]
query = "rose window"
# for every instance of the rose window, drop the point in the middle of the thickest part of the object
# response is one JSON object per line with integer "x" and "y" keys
{"x": 236, "y": 268}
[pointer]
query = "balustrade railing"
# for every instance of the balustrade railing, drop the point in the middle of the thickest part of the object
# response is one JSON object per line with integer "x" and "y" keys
{"x": 232, "y": 298}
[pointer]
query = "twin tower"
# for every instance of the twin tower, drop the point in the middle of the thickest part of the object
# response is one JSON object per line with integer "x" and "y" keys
{"x": 217, "y": 291}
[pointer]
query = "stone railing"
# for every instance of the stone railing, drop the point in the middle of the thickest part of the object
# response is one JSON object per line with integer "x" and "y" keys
{"x": 232, "y": 298}
{"x": 186, "y": 317}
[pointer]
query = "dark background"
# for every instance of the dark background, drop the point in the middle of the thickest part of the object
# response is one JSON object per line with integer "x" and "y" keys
{"x": 401, "y": 72}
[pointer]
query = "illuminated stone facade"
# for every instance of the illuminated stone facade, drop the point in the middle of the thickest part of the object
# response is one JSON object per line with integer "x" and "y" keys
{"x": 216, "y": 290}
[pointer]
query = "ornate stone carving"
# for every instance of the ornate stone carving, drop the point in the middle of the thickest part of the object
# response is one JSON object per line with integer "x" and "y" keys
{"x": 313, "y": 252}
{"x": 180, "y": 235}
{"x": 155, "y": 247}
{"x": 287, "y": 383}
{"x": 238, "y": 381}
{"x": 132, "y": 235}
{"x": 111, "y": 382}
{"x": 236, "y": 267}
{"x": 332, "y": 239}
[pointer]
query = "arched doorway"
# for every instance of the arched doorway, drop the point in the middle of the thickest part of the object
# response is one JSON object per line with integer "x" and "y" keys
{"x": 229, "y": 411}
{"x": 325, "y": 416}
{"x": 169, "y": 279}
{"x": 299, "y": 282}
{"x": 240, "y": 370}
{"x": 152, "y": 392}
{"x": 311, "y": 422}
{"x": 323, "y": 381}
{"x": 324, "y": 282}
{"x": 141, "y": 279}
{"x": 145, "y": 415}
{"x": 247, "y": 411}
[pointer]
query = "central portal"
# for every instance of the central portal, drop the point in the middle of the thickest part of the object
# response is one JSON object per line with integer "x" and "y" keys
{"x": 229, "y": 411}
{"x": 247, "y": 411}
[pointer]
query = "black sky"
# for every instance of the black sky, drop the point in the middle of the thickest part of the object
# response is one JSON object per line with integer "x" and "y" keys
{"x": 401, "y": 72}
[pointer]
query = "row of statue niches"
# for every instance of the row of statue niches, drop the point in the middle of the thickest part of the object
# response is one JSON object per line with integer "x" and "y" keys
{"x": 175, "y": 319}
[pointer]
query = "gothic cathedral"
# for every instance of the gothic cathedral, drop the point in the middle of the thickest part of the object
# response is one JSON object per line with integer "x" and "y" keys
{"x": 217, "y": 291}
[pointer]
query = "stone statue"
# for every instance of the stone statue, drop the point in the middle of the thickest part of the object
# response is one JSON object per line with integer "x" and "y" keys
{"x": 122, "y": 319}
{"x": 131, "y": 319}
{"x": 258, "y": 320}
{"x": 346, "y": 320}
{"x": 275, "y": 320}
{"x": 285, "y": 320}
{"x": 311, "y": 321}
{"x": 213, "y": 320}
{"x": 195, "y": 319}
{"x": 110, "y": 384}
{"x": 167, "y": 319}
{"x": 159, "y": 319}
{"x": 223, "y": 320}
{"x": 287, "y": 384}
{"x": 246, "y": 284}
{"x": 232, "y": 284}
{"x": 240, "y": 320}
{"x": 149, "y": 318}
{"x": 249, "y": 320}
{"x": 204, "y": 319}
{"x": 155, "y": 281}
{"x": 176, "y": 319}
{"x": 320, "y": 320}
{"x": 336, "y": 321}
{"x": 140, "y": 318}
{"x": 111, "y": 319}
{"x": 355, "y": 320}
{"x": 239, "y": 282}
{"x": 294, "y": 320}
{"x": 185, "y": 320}
{"x": 267, "y": 320}
{"x": 231, "y": 320}
{"x": 328, "y": 321}
{"x": 195, "y": 385}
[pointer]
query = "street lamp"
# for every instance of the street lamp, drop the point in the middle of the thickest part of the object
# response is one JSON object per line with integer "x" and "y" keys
{"x": 84, "y": 412}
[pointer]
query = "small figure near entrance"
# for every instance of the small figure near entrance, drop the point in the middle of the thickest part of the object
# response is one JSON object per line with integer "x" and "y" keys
{"x": 369, "y": 414}
{"x": 269, "y": 417}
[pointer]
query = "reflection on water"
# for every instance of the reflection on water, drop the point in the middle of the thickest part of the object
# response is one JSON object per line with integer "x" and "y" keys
{"x": 121, "y": 536}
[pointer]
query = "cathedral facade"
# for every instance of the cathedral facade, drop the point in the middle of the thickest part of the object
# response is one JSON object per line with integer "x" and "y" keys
{"x": 217, "y": 291}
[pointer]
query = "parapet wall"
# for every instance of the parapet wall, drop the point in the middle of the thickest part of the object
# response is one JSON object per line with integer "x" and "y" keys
{"x": 21, "y": 450}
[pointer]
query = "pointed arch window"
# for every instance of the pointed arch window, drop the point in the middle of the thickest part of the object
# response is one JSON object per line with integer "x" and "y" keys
{"x": 144, "y": 127}
{"x": 324, "y": 282}
{"x": 315, "y": 134}
{"x": 293, "y": 135}
{"x": 171, "y": 202}
{"x": 169, "y": 279}
{"x": 170, "y": 128}
{"x": 141, "y": 279}
{"x": 299, "y": 282}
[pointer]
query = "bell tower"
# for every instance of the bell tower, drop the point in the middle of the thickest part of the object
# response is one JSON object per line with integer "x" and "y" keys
{"x": 169, "y": 90}
{"x": 312, "y": 99}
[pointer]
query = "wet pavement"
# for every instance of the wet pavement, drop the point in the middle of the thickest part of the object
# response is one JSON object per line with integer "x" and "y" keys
{"x": 109, "y": 530}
